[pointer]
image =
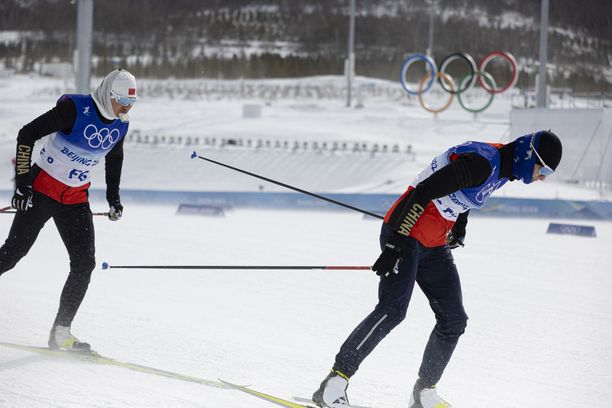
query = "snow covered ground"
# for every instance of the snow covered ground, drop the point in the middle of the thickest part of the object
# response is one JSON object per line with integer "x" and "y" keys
{"x": 539, "y": 331}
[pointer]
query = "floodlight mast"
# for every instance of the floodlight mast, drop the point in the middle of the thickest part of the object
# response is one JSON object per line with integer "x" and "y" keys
{"x": 350, "y": 58}
{"x": 433, "y": 9}
{"x": 541, "y": 96}
{"x": 82, "y": 60}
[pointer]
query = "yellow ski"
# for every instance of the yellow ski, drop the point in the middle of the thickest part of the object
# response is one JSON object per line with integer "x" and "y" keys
{"x": 270, "y": 398}
{"x": 93, "y": 357}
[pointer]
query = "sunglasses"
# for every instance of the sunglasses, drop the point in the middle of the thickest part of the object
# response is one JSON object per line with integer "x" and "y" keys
{"x": 123, "y": 100}
{"x": 545, "y": 170}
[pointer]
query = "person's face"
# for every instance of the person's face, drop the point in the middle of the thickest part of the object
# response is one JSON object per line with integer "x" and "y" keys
{"x": 536, "y": 173}
{"x": 120, "y": 109}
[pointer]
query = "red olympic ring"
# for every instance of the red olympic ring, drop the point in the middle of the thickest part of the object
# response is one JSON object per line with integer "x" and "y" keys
{"x": 488, "y": 58}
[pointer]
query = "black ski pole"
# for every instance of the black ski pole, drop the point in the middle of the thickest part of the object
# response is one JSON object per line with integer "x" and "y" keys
{"x": 106, "y": 265}
{"x": 6, "y": 210}
{"x": 299, "y": 190}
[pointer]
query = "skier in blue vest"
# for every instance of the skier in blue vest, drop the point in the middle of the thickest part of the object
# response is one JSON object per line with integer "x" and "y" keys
{"x": 417, "y": 234}
{"x": 83, "y": 130}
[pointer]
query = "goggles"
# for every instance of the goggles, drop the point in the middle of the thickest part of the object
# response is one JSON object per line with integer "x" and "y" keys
{"x": 545, "y": 170}
{"x": 123, "y": 100}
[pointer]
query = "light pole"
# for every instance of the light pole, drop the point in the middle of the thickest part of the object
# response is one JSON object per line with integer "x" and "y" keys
{"x": 350, "y": 59}
{"x": 541, "y": 96}
{"x": 83, "y": 57}
{"x": 433, "y": 9}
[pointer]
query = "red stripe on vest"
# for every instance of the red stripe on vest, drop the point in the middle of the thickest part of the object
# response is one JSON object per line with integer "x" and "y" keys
{"x": 60, "y": 192}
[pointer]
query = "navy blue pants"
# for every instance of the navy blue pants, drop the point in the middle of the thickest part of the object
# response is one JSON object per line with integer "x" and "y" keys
{"x": 436, "y": 274}
{"x": 75, "y": 225}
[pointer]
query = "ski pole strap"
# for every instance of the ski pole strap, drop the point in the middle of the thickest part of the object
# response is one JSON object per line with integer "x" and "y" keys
{"x": 299, "y": 190}
{"x": 106, "y": 265}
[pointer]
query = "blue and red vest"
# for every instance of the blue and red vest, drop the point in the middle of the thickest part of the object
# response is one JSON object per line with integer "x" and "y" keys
{"x": 67, "y": 159}
{"x": 441, "y": 213}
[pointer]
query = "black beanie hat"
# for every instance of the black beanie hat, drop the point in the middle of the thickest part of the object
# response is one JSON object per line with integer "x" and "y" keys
{"x": 550, "y": 149}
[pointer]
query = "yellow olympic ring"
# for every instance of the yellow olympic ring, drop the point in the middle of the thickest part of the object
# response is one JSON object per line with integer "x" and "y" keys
{"x": 451, "y": 86}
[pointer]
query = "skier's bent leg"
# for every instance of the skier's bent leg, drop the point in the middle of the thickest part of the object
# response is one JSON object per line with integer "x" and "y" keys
{"x": 72, "y": 296}
{"x": 23, "y": 233}
{"x": 75, "y": 225}
{"x": 439, "y": 349}
{"x": 74, "y": 292}
{"x": 394, "y": 295}
{"x": 366, "y": 337}
{"x": 439, "y": 280}
{"x": 10, "y": 254}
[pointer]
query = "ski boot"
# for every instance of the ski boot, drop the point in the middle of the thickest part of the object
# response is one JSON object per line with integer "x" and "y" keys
{"x": 332, "y": 392}
{"x": 60, "y": 338}
{"x": 426, "y": 397}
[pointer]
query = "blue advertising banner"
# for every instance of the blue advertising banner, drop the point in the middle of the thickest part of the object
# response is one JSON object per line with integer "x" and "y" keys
{"x": 200, "y": 209}
{"x": 376, "y": 203}
{"x": 571, "y": 229}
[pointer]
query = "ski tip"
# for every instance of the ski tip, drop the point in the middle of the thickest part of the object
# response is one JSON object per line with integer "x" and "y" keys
{"x": 232, "y": 385}
{"x": 228, "y": 384}
{"x": 194, "y": 154}
{"x": 105, "y": 266}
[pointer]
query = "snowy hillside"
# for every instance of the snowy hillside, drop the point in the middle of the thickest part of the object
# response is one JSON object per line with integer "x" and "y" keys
{"x": 293, "y": 38}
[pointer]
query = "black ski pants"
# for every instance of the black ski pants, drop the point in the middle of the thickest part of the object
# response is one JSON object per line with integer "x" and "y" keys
{"x": 434, "y": 270}
{"x": 75, "y": 225}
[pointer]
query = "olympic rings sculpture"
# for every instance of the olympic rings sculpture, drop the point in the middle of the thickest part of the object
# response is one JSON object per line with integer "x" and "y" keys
{"x": 477, "y": 75}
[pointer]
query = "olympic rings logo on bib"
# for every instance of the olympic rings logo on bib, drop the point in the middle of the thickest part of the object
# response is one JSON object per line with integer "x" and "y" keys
{"x": 476, "y": 75}
{"x": 103, "y": 138}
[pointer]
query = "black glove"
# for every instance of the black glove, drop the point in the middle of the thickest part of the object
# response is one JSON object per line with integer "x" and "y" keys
{"x": 455, "y": 238}
{"x": 22, "y": 199}
{"x": 116, "y": 210}
{"x": 387, "y": 263}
